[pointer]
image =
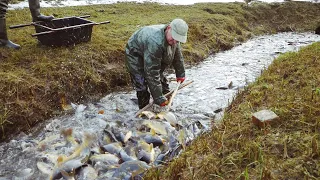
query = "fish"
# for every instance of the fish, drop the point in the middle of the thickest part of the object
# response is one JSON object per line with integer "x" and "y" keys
{"x": 128, "y": 153}
{"x": 148, "y": 114}
{"x": 153, "y": 139}
{"x": 230, "y": 85}
{"x": 96, "y": 150}
{"x": 110, "y": 136}
{"x": 43, "y": 144}
{"x": 150, "y": 137}
{"x": 125, "y": 156}
{"x": 44, "y": 168}
{"x": 130, "y": 169}
{"x": 182, "y": 136}
{"x": 159, "y": 127}
{"x": 127, "y": 136}
{"x": 87, "y": 173}
{"x": 64, "y": 105}
{"x": 65, "y": 169}
{"x": 189, "y": 133}
{"x": 66, "y": 164}
{"x": 83, "y": 150}
{"x": 196, "y": 130}
{"x": 161, "y": 158}
{"x": 172, "y": 140}
{"x": 68, "y": 175}
{"x": 102, "y": 168}
{"x": 202, "y": 125}
{"x": 67, "y": 134}
{"x": 145, "y": 152}
{"x": 170, "y": 117}
{"x": 116, "y": 135}
{"x": 113, "y": 148}
{"x": 105, "y": 158}
{"x": 174, "y": 152}
{"x": 79, "y": 109}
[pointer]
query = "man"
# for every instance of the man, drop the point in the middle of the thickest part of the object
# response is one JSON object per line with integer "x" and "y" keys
{"x": 34, "y": 6}
{"x": 148, "y": 52}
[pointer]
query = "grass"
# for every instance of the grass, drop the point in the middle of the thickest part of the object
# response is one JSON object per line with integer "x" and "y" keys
{"x": 237, "y": 149}
{"x": 34, "y": 79}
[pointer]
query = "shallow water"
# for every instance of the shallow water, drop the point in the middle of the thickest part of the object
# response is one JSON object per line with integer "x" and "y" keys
{"x": 210, "y": 92}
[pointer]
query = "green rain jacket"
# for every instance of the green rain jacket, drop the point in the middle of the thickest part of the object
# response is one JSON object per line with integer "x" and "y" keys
{"x": 148, "y": 54}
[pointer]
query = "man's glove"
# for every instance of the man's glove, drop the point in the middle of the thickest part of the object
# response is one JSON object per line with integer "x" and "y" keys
{"x": 181, "y": 79}
{"x": 166, "y": 102}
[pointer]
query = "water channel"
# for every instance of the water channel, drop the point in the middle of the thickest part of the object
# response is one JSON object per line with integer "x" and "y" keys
{"x": 215, "y": 83}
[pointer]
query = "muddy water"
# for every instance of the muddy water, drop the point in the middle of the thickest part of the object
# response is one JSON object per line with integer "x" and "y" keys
{"x": 216, "y": 81}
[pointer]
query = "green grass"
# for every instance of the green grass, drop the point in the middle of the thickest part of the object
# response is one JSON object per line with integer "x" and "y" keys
{"x": 237, "y": 149}
{"x": 34, "y": 79}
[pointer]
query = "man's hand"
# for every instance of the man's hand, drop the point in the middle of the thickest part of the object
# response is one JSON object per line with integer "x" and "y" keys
{"x": 166, "y": 102}
{"x": 181, "y": 79}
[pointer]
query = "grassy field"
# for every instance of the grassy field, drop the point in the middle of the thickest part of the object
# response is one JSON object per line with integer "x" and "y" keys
{"x": 237, "y": 149}
{"x": 36, "y": 80}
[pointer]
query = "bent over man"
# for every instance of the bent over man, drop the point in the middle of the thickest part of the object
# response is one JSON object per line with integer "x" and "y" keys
{"x": 148, "y": 52}
{"x": 34, "y": 6}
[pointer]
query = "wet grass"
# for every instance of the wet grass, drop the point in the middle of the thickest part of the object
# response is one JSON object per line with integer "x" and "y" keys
{"x": 237, "y": 149}
{"x": 35, "y": 79}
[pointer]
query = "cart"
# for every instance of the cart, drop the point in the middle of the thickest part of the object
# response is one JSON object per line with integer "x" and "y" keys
{"x": 63, "y": 31}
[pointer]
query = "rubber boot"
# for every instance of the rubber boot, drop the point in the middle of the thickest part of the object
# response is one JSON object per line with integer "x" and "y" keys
{"x": 34, "y": 6}
{"x": 4, "y": 37}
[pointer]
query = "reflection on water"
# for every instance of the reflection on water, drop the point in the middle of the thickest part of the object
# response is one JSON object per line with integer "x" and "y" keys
{"x": 216, "y": 81}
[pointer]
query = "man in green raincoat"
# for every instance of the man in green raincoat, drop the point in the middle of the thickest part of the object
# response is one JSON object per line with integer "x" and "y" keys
{"x": 148, "y": 52}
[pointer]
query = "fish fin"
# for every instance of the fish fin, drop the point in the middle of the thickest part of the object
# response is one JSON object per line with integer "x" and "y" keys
{"x": 127, "y": 137}
{"x": 150, "y": 147}
{"x": 61, "y": 159}
{"x": 160, "y": 115}
{"x": 107, "y": 139}
{"x": 148, "y": 114}
{"x": 67, "y": 175}
{"x": 74, "y": 106}
{"x": 64, "y": 104}
{"x": 153, "y": 132}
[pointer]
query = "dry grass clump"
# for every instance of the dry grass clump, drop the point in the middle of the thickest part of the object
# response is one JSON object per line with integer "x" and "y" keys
{"x": 34, "y": 79}
{"x": 237, "y": 149}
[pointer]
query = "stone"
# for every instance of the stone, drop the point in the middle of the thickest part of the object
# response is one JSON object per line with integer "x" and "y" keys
{"x": 264, "y": 117}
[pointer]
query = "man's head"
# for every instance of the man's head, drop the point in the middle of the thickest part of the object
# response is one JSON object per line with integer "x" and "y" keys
{"x": 177, "y": 31}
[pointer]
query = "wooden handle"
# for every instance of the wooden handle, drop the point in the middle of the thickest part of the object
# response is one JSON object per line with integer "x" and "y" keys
{"x": 174, "y": 94}
{"x": 105, "y": 22}
{"x": 35, "y": 23}
{"x": 166, "y": 95}
{"x": 84, "y": 16}
{"x": 42, "y": 33}
{"x": 19, "y": 26}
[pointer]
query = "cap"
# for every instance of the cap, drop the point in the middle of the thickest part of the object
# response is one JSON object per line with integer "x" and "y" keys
{"x": 179, "y": 30}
